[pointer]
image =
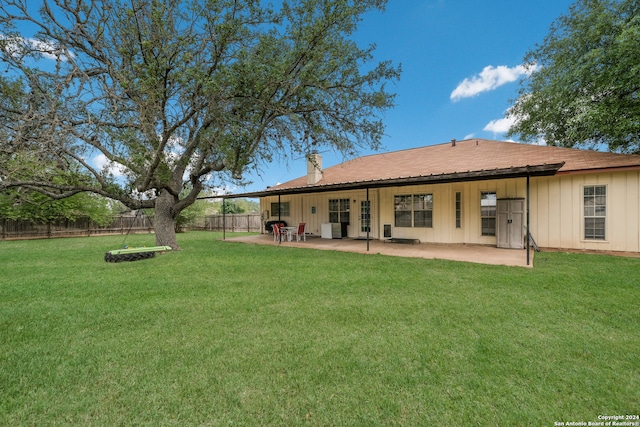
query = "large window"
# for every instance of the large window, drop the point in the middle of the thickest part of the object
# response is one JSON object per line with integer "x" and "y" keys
{"x": 282, "y": 210}
{"x": 413, "y": 210}
{"x": 488, "y": 202}
{"x": 595, "y": 211}
{"x": 339, "y": 210}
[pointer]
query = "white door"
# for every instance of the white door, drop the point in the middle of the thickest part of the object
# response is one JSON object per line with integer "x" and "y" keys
{"x": 365, "y": 216}
{"x": 364, "y": 219}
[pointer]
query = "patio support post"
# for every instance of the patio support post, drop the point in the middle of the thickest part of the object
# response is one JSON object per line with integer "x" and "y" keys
{"x": 368, "y": 218}
{"x": 527, "y": 245}
{"x": 224, "y": 219}
{"x": 279, "y": 220}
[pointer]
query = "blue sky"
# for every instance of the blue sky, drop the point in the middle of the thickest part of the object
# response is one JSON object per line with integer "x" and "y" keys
{"x": 461, "y": 63}
{"x": 444, "y": 46}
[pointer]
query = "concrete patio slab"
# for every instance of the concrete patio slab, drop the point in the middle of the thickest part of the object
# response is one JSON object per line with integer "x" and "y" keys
{"x": 467, "y": 253}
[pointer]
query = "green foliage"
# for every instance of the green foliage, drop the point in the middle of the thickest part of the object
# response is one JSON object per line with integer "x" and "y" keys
{"x": 585, "y": 91}
{"x": 231, "y": 334}
{"x": 197, "y": 210}
{"x": 36, "y": 207}
{"x": 181, "y": 94}
{"x": 232, "y": 207}
{"x": 235, "y": 206}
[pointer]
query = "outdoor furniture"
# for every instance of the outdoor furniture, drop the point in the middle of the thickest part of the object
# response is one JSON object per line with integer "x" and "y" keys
{"x": 278, "y": 232}
{"x": 300, "y": 232}
{"x": 268, "y": 225}
{"x": 288, "y": 231}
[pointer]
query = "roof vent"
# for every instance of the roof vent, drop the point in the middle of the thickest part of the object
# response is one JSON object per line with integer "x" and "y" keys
{"x": 453, "y": 142}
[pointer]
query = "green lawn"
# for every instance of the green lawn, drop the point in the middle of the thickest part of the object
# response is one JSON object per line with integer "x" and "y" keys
{"x": 224, "y": 333}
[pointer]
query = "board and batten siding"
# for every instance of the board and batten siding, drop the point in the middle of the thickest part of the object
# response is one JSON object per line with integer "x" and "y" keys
{"x": 556, "y": 210}
{"x": 444, "y": 221}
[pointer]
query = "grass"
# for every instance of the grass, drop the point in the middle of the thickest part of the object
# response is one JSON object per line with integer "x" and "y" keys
{"x": 224, "y": 333}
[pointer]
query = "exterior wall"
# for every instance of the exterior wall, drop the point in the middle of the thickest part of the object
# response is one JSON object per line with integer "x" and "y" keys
{"x": 443, "y": 230}
{"x": 556, "y": 211}
{"x": 444, "y": 224}
{"x": 313, "y": 209}
{"x": 557, "y": 219}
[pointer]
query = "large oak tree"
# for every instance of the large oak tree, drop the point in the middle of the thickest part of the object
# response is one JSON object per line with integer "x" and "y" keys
{"x": 179, "y": 95}
{"x": 585, "y": 91}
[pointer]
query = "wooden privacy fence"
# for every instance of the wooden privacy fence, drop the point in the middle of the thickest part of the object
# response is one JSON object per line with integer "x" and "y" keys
{"x": 231, "y": 222}
{"x": 22, "y": 229}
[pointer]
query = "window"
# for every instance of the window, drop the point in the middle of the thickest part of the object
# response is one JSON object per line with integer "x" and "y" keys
{"x": 595, "y": 211}
{"x": 413, "y": 210}
{"x": 402, "y": 210}
{"x": 282, "y": 210}
{"x": 339, "y": 210}
{"x": 423, "y": 210}
{"x": 488, "y": 212}
{"x": 458, "y": 210}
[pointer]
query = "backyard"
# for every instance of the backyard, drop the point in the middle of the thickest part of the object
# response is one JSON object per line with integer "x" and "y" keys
{"x": 225, "y": 333}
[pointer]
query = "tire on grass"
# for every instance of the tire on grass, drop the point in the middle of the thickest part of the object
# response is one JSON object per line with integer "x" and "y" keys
{"x": 109, "y": 257}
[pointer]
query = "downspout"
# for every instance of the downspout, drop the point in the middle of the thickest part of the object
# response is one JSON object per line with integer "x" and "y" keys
{"x": 368, "y": 218}
{"x": 279, "y": 219}
{"x": 224, "y": 219}
{"x": 527, "y": 245}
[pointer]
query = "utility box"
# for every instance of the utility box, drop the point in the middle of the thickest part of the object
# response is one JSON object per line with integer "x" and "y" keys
{"x": 331, "y": 230}
{"x": 325, "y": 231}
{"x": 510, "y": 223}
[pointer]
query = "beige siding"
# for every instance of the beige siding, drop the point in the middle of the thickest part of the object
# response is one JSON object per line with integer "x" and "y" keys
{"x": 556, "y": 210}
{"x": 557, "y": 218}
{"x": 632, "y": 209}
{"x": 302, "y": 209}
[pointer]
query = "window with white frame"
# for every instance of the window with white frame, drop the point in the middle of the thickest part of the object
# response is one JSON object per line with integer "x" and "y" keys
{"x": 402, "y": 210}
{"x": 595, "y": 212}
{"x": 488, "y": 201}
{"x": 413, "y": 210}
{"x": 339, "y": 210}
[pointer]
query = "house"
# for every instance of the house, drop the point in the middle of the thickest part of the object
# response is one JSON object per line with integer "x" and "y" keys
{"x": 474, "y": 191}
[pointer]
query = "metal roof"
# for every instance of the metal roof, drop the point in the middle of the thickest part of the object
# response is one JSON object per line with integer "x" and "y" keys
{"x": 455, "y": 161}
{"x": 515, "y": 172}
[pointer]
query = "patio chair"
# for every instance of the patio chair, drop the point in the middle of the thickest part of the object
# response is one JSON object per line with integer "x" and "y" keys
{"x": 300, "y": 233}
{"x": 278, "y": 232}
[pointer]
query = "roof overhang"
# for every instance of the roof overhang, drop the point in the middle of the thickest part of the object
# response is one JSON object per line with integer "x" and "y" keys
{"x": 480, "y": 175}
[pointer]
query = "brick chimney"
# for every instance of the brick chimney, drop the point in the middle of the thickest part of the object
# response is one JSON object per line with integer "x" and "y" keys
{"x": 314, "y": 168}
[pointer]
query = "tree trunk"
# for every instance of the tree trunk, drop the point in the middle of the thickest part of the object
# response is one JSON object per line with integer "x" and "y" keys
{"x": 165, "y": 221}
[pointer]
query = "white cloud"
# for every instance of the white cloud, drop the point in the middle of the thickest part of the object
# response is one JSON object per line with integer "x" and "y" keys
{"x": 116, "y": 169}
{"x": 500, "y": 125}
{"x": 48, "y": 49}
{"x": 490, "y": 78}
{"x": 503, "y": 125}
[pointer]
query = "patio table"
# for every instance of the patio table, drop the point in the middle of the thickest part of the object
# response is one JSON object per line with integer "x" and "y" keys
{"x": 289, "y": 231}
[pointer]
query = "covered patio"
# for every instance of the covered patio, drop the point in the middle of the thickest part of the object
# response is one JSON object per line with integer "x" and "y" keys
{"x": 480, "y": 254}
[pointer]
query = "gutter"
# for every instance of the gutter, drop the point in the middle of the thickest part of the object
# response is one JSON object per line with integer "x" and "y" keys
{"x": 481, "y": 175}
